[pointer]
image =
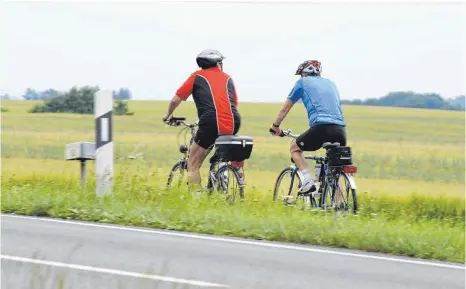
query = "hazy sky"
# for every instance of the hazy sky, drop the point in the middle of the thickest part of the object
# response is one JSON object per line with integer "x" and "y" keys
{"x": 366, "y": 49}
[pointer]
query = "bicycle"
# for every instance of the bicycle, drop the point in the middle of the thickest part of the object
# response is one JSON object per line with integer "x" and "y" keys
{"x": 336, "y": 163}
{"x": 227, "y": 158}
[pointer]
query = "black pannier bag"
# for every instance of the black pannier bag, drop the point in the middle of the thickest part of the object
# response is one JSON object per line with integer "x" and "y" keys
{"x": 339, "y": 156}
{"x": 233, "y": 147}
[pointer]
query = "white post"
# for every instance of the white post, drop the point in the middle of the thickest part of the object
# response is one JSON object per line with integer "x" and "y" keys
{"x": 103, "y": 111}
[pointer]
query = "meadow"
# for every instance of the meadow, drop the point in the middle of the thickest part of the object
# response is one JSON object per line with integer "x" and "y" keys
{"x": 411, "y": 176}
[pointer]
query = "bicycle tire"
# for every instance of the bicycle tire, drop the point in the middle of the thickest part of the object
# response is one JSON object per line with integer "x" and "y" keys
{"x": 283, "y": 173}
{"x": 353, "y": 193}
{"x": 179, "y": 166}
{"x": 324, "y": 193}
{"x": 280, "y": 178}
{"x": 237, "y": 177}
{"x": 328, "y": 184}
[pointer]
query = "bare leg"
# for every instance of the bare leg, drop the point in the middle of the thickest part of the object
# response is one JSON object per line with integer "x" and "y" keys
{"x": 196, "y": 158}
{"x": 297, "y": 156}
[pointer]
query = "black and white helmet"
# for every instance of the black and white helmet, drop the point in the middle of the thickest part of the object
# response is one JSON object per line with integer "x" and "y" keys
{"x": 209, "y": 58}
{"x": 311, "y": 67}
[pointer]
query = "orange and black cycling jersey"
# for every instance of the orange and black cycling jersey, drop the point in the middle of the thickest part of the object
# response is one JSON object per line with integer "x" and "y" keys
{"x": 215, "y": 97}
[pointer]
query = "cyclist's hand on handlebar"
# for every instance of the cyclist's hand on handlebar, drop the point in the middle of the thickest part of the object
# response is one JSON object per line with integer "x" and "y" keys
{"x": 166, "y": 119}
{"x": 275, "y": 131}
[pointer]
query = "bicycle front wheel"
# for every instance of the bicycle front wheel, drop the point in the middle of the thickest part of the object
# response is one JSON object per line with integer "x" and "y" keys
{"x": 286, "y": 189}
{"x": 287, "y": 184}
{"x": 229, "y": 182}
{"x": 178, "y": 175}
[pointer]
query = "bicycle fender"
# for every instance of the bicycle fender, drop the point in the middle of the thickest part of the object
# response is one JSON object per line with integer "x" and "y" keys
{"x": 300, "y": 174}
{"x": 241, "y": 182}
{"x": 351, "y": 181}
{"x": 293, "y": 167}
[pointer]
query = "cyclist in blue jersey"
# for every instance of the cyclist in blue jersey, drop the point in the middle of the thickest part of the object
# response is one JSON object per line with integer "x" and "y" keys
{"x": 326, "y": 123}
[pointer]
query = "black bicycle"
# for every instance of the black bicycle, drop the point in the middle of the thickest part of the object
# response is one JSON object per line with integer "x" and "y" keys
{"x": 334, "y": 180}
{"x": 226, "y": 164}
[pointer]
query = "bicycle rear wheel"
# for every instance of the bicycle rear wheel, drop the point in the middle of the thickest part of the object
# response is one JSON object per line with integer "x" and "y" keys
{"x": 326, "y": 195}
{"x": 345, "y": 195}
{"x": 229, "y": 182}
{"x": 339, "y": 194}
{"x": 178, "y": 175}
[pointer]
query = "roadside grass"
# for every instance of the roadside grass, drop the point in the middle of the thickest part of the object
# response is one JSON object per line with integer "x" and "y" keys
{"x": 259, "y": 182}
{"x": 416, "y": 225}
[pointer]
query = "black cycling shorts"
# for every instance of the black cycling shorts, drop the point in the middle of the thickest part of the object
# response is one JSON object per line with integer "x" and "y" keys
{"x": 207, "y": 133}
{"x": 315, "y": 137}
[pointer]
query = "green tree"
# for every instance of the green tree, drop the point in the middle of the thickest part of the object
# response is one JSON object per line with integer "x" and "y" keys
{"x": 121, "y": 108}
{"x": 49, "y": 93}
{"x": 31, "y": 94}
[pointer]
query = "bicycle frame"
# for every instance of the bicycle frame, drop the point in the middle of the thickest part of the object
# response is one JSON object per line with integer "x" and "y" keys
{"x": 214, "y": 161}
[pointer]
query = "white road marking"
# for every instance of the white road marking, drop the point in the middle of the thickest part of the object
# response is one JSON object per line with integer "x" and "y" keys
{"x": 111, "y": 271}
{"x": 238, "y": 241}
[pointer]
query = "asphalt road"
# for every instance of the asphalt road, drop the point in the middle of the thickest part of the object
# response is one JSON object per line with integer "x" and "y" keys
{"x": 47, "y": 253}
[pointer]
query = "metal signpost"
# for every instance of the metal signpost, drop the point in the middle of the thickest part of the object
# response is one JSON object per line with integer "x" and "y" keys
{"x": 81, "y": 151}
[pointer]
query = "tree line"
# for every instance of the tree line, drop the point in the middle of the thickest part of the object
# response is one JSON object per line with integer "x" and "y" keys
{"x": 32, "y": 94}
{"x": 77, "y": 100}
{"x": 413, "y": 100}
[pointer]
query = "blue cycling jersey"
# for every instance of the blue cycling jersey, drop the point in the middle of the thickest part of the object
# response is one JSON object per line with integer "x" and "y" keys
{"x": 321, "y": 99}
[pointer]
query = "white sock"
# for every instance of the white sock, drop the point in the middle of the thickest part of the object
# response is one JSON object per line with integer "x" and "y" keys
{"x": 307, "y": 176}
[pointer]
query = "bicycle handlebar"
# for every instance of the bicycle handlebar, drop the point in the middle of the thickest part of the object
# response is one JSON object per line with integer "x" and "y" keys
{"x": 177, "y": 121}
{"x": 284, "y": 133}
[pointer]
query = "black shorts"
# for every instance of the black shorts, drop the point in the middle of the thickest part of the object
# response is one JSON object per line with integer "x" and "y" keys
{"x": 207, "y": 133}
{"x": 315, "y": 137}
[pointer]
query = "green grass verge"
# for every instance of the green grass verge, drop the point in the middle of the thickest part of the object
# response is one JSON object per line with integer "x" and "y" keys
{"x": 415, "y": 225}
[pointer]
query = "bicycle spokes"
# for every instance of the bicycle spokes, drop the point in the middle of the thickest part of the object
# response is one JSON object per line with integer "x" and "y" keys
{"x": 228, "y": 183}
{"x": 223, "y": 181}
{"x": 345, "y": 195}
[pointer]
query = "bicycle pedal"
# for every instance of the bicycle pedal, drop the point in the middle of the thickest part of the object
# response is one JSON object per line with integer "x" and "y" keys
{"x": 289, "y": 200}
{"x": 316, "y": 194}
{"x": 313, "y": 188}
{"x": 292, "y": 203}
